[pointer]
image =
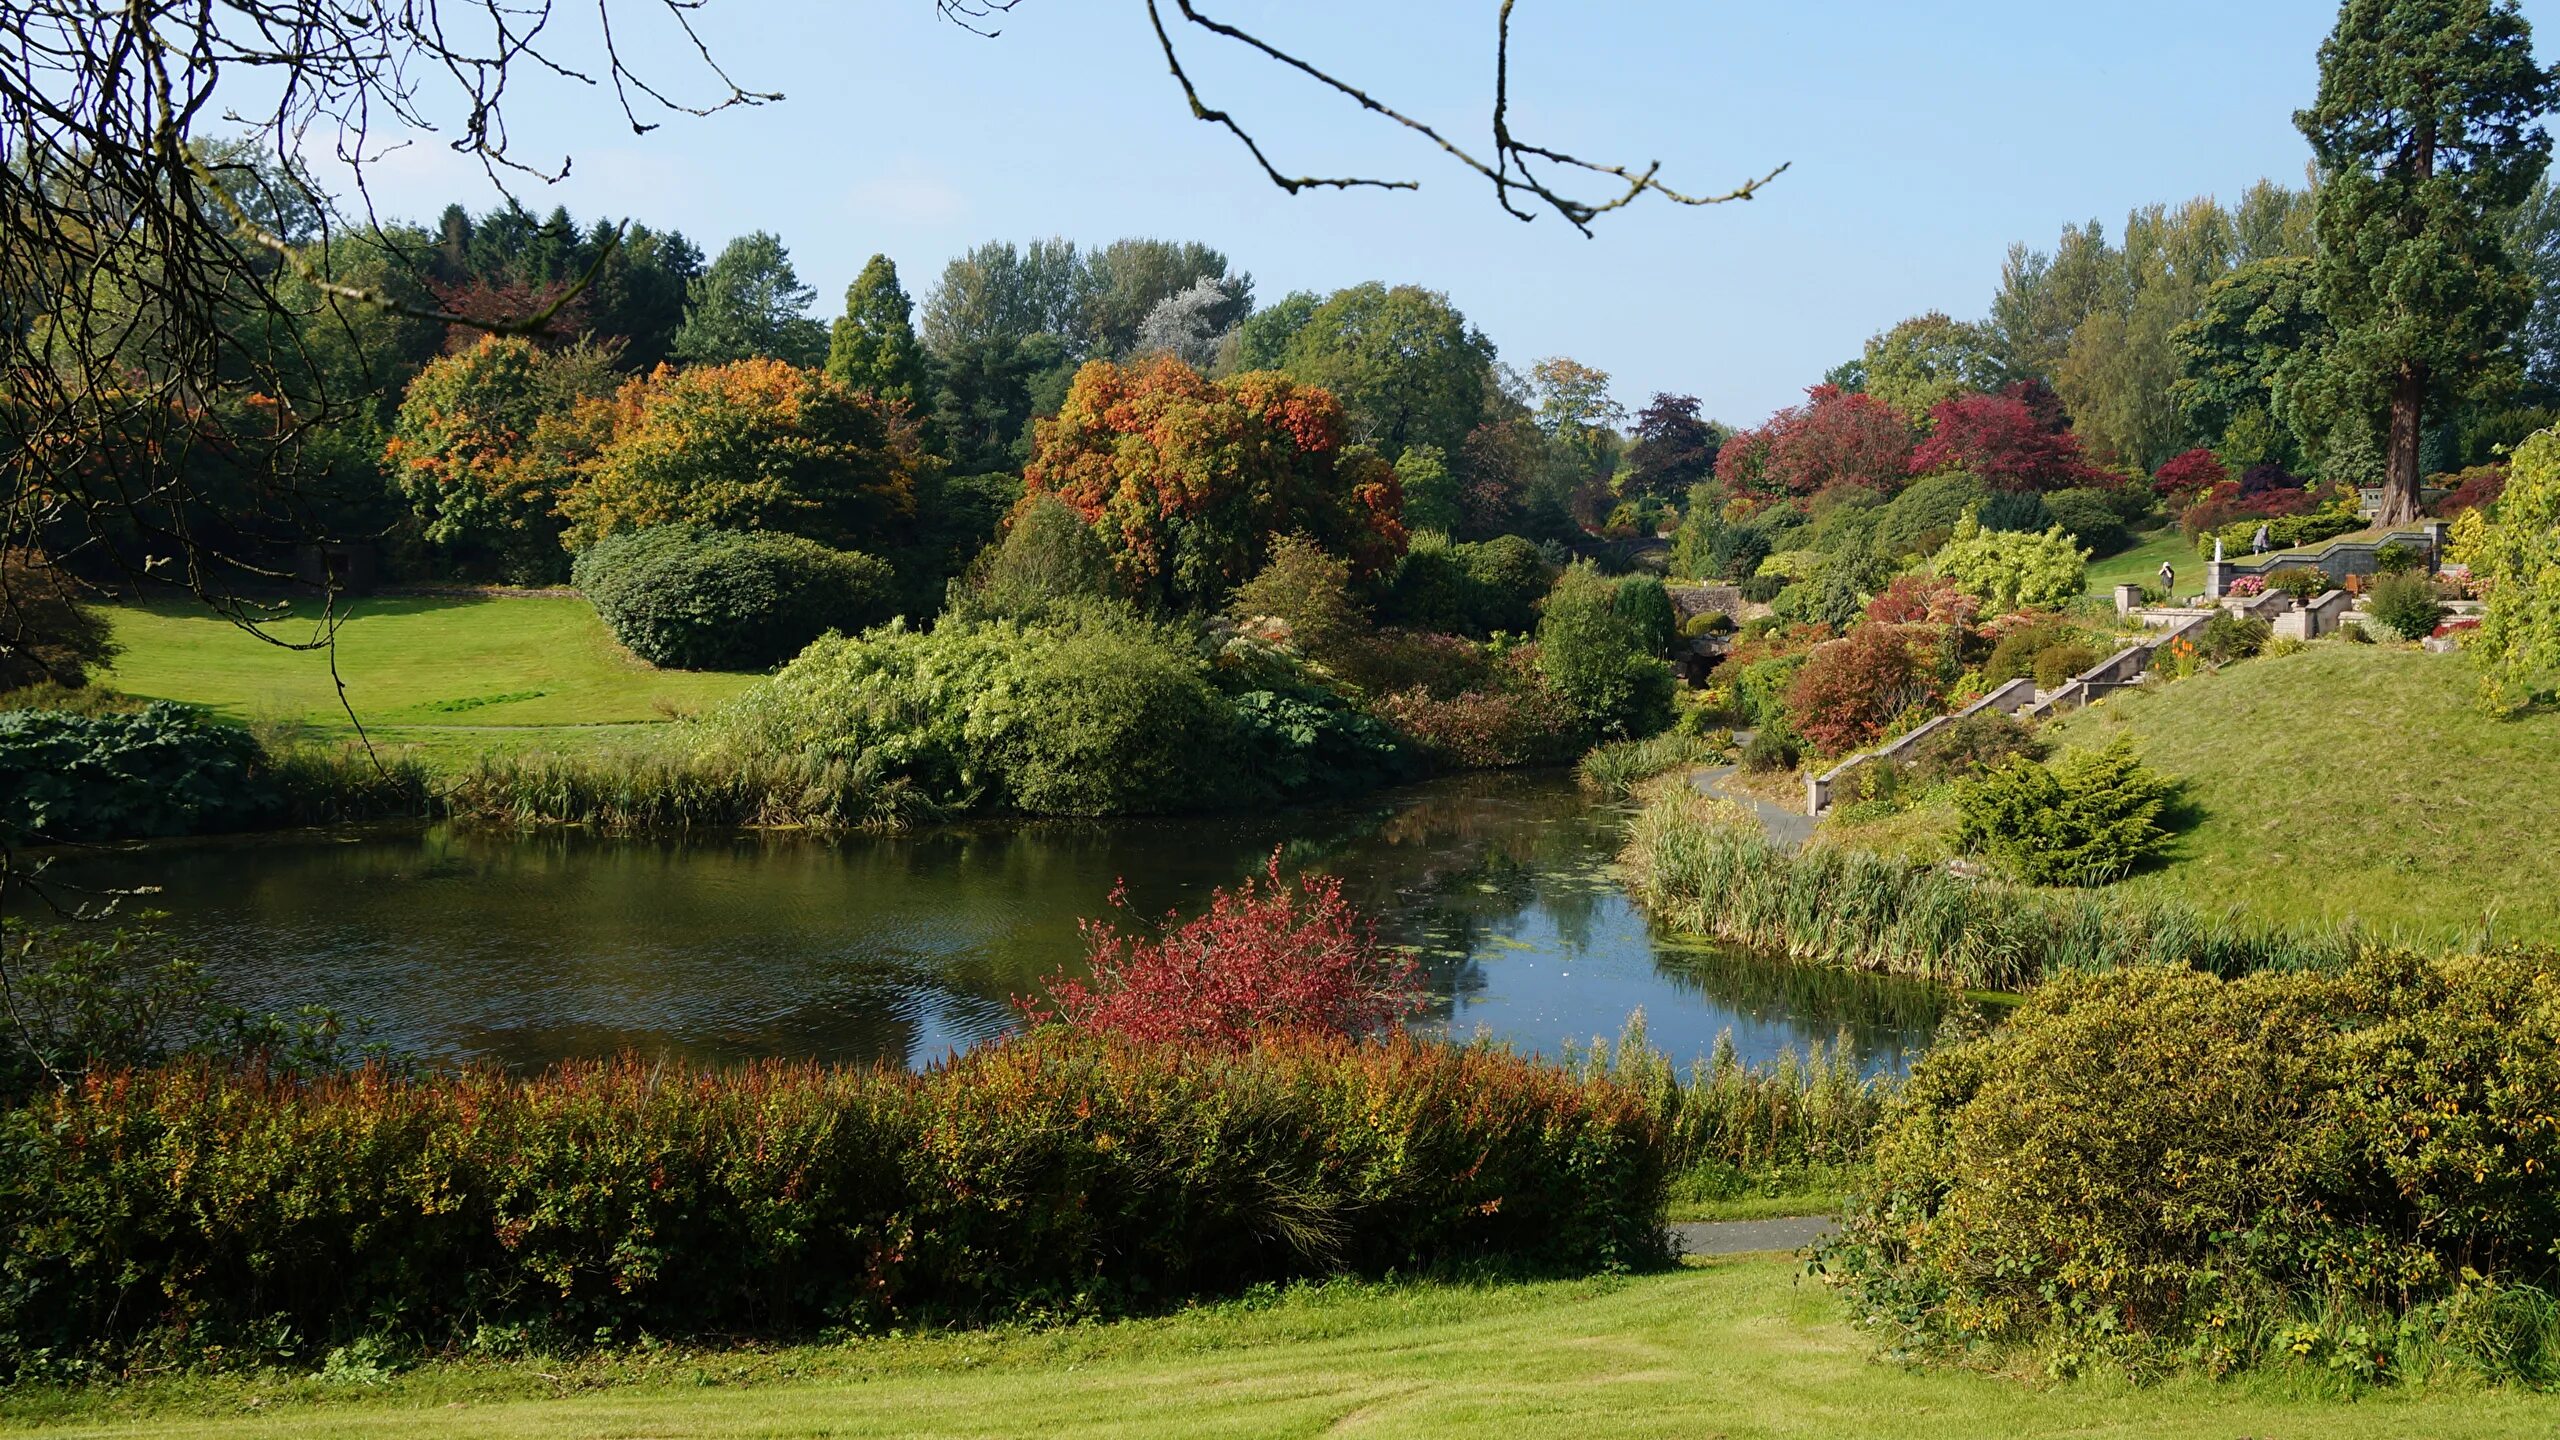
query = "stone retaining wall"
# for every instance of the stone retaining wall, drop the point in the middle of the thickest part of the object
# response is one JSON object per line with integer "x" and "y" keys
{"x": 2009, "y": 699}
{"x": 2338, "y": 559}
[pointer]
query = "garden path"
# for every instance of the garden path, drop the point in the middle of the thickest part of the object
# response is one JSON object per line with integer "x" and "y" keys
{"x": 1745, "y": 1237}
{"x": 1784, "y": 826}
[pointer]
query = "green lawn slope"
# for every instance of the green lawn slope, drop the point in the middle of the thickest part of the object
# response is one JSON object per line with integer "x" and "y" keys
{"x": 2353, "y": 782}
{"x": 1740, "y": 1348}
{"x": 450, "y": 674}
{"x": 2141, "y": 564}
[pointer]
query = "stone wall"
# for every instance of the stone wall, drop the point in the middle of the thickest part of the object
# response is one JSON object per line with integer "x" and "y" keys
{"x": 2338, "y": 559}
{"x": 2009, "y": 699}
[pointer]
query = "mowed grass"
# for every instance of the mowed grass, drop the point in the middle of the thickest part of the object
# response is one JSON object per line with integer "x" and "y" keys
{"x": 2141, "y": 564}
{"x": 451, "y": 675}
{"x": 1738, "y": 1348}
{"x": 2352, "y": 782}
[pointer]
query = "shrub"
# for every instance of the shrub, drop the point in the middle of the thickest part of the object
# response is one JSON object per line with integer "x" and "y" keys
{"x": 2280, "y": 646}
{"x": 1309, "y": 591}
{"x": 1048, "y": 556}
{"x": 1983, "y": 740}
{"x": 1647, "y": 605}
{"x": 1919, "y": 520}
{"x": 2227, "y": 637}
{"x": 1515, "y": 723}
{"x": 2188, "y": 472}
{"x": 697, "y": 599}
{"x": 2022, "y": 512}
{"x": 47, "y": 635}
{"x": 218, "y": 1214}
{"x": 1707, "y": 622}
{"x": 2160, "y": 1165}
{"x": 2089, "y": 517}
{"x": 1760, "y": 689}
{"x": 1511, "y": 577}
{"x": 2015, "y": 653}
{"x": 1761, "y": 589}
{"x": 1850, "y": 692}
{"x": 2302, "y": 582}
{"x": 2405, "y": 604}
{"x": 2396, "y": 558}
{"x": 1307, "y": 741}
{"x": 2011, "y": 570}
{"x": 1919, "y": 598}
{"x": 2246, "y": 586}
{"x": 2085, "y": 819}
{"x": 162, "y": 770}
{"x": 2056, "y": 665}
{"x": 1600, "y": 660}
{"x": 1268, "y": 957}
{"x": 1770, "y": 751}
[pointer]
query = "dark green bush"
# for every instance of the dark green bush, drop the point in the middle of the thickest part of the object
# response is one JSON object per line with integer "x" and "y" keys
{"x": 2015, "y": 510}
{"x": 2015, "y": 654}
{"x": 199, "y": 1213}
{"x": 2057, "y": 664}
{"x": 1049, "y": 556}
{"x": 698, "y": 599}
{"x": 1921, "y": 518}
{"x": 1110, "y": 721}
{"x": 2086, "y": 819}
{"x": 162, "y": 770}
{"x": 48, "y": 633}
{"x": 1983, "y": 740}
{"x": 2091, "y": 517}
{"x": 1511, "y": 576}
{"x": 2398, "y": 559}
{"x": 1761, "y": 589}
{"x": 1302, "y": 742}
{"x": 2405, "y": 604}
{"x": 1643, "y": 600}
{"x": 1760, "y": 690}
{"x": 1602, "y": 661}
{"x": 2227, "y": 637}
{"x": 1771, "y": 750}
{"x": 2348, "y": 1168}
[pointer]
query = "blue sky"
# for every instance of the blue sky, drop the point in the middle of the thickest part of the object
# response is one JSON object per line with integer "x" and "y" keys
{"x": 1924, "y": 138}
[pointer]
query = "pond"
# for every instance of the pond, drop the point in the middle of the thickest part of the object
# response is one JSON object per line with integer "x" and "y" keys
{"x": 458, "y": 943}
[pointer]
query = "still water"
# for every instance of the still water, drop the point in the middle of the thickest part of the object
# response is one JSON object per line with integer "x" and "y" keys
{"x": 523, "y": 948}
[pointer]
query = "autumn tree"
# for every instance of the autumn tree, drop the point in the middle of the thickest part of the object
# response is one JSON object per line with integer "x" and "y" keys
{"x": 1834, "y": 438}
{"x": 873, "y": 346}
{"x": 2002, "y": 441}
{"x": 1406, "y": 366}
{"x": 1188, "y": 479}
{"x": 479, "y": 451}
{"x": 752, "y": 445}
{"x": 750, "y": 305}
{"x": 2426, "y": 131}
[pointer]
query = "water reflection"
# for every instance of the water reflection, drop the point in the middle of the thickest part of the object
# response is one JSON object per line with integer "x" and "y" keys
{"x": 526, "y": 948}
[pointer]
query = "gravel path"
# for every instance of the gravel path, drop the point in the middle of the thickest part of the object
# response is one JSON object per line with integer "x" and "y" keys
{"x": 1742, "y": 1237}
{"x": 1784, "y": 826}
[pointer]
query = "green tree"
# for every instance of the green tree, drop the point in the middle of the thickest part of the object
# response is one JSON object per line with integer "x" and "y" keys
{"x": 1262, "y": 341}
{"x": 2515, "y": 550}
{"x": 1405, "y": 364}
{"x": 473, "y": 452}
{"x": 1929, "y": 358}
{"x": 874, "y": 344}
{"x": 1431, "y": 498}
{"x": 1598, "y": 657}
{"x": 1127, "y": 279}
{"x": 750, "y": 305}
{"x": 1001, "y": 293}
{"x": 2426, "y": 135}
{"x": 2241, "y": 351}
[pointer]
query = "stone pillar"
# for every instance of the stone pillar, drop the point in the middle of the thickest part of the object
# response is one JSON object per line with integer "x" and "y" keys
{"x": 2437, "y": 544}
{"x": 2128, "y": 599}
{"x": 2217, "y": 578}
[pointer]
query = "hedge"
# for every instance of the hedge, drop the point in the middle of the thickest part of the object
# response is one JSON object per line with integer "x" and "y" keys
{"x": 191, "y": 1211}
{"x": 699, "y": 599}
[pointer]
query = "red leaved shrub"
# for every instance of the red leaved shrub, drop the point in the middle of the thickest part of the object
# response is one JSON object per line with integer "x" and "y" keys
{"x": 2188, "y": 472}
{"x": 1267, "y": 958}
{"x": 1851, "y": 690}
{"x": 1919, "y": 598}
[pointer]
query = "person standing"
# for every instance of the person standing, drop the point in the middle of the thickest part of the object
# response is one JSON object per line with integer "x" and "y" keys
{"x": 2169, "y": 579}
{"x": 2258, "y": 542}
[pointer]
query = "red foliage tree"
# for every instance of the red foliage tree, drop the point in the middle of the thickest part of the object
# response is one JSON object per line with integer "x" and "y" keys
{"x": 1268, "y": 957}
{"x": 1850, "y": 691}
{"x": 2189, "y": 472}
{"x": 1920, "y": 598}
{"x": 2004, "y": 442}
{"x": 1188, "y": 478}
{"x": 1834, "y": 438}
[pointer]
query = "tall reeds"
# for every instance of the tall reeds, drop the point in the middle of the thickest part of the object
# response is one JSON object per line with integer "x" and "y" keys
{"x": 677, "y": 788}
{"x": 1703, "y": 867}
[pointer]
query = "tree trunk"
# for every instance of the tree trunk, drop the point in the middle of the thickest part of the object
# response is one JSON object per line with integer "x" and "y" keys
{"x": 2400, "y": 474}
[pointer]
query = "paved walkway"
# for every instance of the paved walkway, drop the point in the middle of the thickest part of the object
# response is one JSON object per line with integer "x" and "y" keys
{"x": 1743, "y": 1237}
{"x": 1784, "y": 826}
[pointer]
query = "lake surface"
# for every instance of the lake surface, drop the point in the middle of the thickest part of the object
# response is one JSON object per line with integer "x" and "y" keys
{"x": 458, "y": 943}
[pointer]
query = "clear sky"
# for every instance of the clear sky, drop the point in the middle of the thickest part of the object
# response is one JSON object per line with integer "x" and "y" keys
{"x": 1924, "y": 138}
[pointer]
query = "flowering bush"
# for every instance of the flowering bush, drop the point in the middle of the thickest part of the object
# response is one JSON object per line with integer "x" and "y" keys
{"x": 1266, "y": 958}
{"x": 2246, "y": 585}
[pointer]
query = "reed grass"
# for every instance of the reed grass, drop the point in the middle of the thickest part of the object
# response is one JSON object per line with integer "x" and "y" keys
{"x": 1617, "y": 768}
{"x": 676, "y": 787}
{"x": 1699, "y": 865}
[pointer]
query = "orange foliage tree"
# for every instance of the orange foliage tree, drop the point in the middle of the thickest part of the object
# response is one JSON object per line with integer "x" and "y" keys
{"x": 1188, "y": 479}
{"x": 485, "y": 439}
{"x": 753, "y": 445}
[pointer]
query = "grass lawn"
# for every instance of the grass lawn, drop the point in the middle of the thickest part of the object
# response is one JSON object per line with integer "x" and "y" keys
{"x": 2341, "y": 782}
{"x": 449, "y": 675}
{"x": 2141, "y": 564}
{"x": 1736, "y": 1348}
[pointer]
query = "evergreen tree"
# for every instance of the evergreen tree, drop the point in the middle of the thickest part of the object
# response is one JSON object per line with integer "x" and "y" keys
{"x": 751, "y": 305}
{"x": 2426, "y": 138}
{"x": 874, "y": 346}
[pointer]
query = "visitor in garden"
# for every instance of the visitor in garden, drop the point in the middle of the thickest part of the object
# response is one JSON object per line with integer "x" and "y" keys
{"x": 2258, "y": 542}
{"x": 2169, "y": 579}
